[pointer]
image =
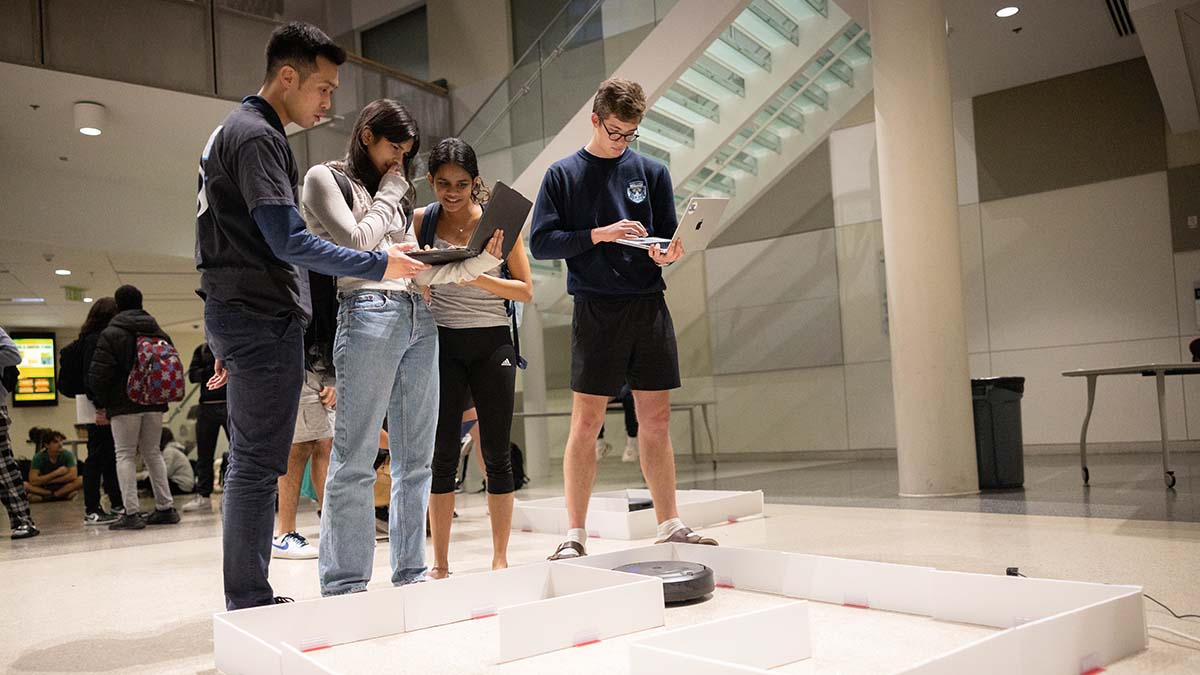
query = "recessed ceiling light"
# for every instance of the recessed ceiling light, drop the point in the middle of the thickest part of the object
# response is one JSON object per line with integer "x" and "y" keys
{"x": 87, "y": 299}
{"x": 28, "y": 300}
{"x": 63, "y": 273}
{"x": 1005, "y": 12}
{"x": 89, "y": 118}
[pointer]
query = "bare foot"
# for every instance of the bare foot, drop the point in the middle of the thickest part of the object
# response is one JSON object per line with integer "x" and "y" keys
{"x": 438, "y": 572}
{"x": 499, "y": 565}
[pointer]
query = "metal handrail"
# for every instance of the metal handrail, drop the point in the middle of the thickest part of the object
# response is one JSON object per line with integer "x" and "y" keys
{"x": 762, "y": 127}
{"x": 397, "y": 75}
{"x": 519, "y": 62}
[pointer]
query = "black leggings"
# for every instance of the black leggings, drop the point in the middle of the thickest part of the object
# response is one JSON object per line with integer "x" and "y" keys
{"x": 477, "y": 363}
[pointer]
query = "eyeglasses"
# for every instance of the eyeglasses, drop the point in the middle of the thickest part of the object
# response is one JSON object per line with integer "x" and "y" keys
{"x": 614, "y": 136}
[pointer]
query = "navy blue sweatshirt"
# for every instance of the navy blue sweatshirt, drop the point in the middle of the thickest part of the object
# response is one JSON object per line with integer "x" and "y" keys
{"x": 582, "y": 192}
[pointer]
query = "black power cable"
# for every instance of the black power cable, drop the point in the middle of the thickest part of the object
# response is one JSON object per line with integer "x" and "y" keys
{"x": 1016, "y": 572}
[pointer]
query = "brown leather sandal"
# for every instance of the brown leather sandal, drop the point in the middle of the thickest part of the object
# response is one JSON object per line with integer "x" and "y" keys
{"x": 684, "y": 535}
{"x": 561, "y": 553}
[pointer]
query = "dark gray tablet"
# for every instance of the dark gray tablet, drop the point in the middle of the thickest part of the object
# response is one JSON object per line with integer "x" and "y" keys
{"x": 506, "y": 210}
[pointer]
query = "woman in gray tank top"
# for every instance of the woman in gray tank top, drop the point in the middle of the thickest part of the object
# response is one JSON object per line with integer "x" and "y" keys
{"x": 476, "y": 358}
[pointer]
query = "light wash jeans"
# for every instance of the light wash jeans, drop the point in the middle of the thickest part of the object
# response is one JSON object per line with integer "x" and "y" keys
{"x": 385, "y": 355}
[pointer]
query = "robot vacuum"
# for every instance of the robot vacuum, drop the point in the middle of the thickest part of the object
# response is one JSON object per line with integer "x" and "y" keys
{"x": 682, "y": 581}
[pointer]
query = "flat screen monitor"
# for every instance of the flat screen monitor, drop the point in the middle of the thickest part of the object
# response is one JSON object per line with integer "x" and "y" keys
{"x": 36, "y": 385}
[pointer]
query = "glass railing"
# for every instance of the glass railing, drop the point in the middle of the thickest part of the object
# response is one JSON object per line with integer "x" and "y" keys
{"x": 580, "y": 47}
{"x": 560, "y": 70}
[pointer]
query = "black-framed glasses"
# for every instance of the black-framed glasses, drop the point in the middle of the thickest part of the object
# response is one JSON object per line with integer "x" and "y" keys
{"x": 614, "y": 136}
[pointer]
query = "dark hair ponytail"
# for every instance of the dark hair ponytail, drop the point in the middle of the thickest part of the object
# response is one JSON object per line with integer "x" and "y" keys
{"x": 457, "y": 152}
{"x": 389, "y": 119}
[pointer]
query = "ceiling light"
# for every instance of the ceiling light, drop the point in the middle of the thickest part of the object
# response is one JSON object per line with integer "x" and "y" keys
{"x": 87, "y": 299}
{"x": 89, "y": 118}
{"x": 28, "y": 300}
{"x": 1005, "y": 12}
{"x": 63, "y": 273}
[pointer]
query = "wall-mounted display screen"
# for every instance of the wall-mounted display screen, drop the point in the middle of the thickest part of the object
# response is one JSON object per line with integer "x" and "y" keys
{"x": 36, "y": 385}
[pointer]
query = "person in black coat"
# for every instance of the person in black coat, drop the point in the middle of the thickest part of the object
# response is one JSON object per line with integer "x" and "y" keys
{"x": 136, "y": 427}
{"x": 211, "y": 417}
{"x": 101, "y": 466}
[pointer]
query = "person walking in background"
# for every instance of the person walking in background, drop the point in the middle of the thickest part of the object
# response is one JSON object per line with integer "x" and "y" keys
{"x": 12, "y": 489}
{"x": 101, "y": 466}
{"x": 211, "y": 418}
{"x": 136, "y": 426}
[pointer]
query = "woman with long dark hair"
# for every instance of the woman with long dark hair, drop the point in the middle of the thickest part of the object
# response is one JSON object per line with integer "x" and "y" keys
{"x": 476, "y": 359}
{"x": 101, "y": 465}
{"x": 385, "y": 352}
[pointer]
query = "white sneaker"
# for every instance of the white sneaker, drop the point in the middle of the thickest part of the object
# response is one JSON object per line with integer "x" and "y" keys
{"x": 198, "y": 504}
{"x": 603, "y": 447}
{"x": 292, "y": 546}
{"x": 631, "y": 450}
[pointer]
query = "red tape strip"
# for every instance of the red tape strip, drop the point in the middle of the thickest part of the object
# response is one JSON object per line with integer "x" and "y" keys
{"x": 315, "y": 649}
{"x": 723, "y": 585}
{"x": 589, "y": 642}
{"x": 847, "y": 604}
{"x": 484, "y": 616}
{"x": 1094, "y": 671}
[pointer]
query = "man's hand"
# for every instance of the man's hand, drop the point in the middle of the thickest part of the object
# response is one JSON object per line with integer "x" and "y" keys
{"x": 219, "y": 378}
{"x": 328, "y": 397}
{"x": 101, "y": 417}
{"x": 400, "y": 266}
{"x": 622, "y": 229}
{"x": 663, "y": 258}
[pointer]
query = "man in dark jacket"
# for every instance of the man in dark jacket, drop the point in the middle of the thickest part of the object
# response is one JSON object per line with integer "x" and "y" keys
{"x": 136, "y": 428}
{"x": 210, "y": 419}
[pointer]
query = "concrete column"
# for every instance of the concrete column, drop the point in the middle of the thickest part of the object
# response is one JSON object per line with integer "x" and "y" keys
{"x": 533, "y": 348}
{"x": 935, "y": 432}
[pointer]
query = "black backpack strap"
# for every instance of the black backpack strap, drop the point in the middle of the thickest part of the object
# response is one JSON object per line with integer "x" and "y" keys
{"x": 510, "y": 308}
{"x": 344, "y": 185}
{"x": 429, "y": 226}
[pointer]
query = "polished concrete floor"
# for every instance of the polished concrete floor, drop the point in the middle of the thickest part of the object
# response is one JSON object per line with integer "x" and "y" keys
{"x": 89, "y": 600}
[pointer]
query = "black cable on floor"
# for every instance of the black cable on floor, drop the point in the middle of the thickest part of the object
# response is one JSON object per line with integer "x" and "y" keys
{"x": 1015, "y": 572}
{"x": 1177, "y": 616}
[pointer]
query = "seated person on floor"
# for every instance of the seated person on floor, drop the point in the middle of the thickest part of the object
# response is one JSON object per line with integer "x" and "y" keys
{"x": 53, "y": 474}
{"x": 180, "y": 474}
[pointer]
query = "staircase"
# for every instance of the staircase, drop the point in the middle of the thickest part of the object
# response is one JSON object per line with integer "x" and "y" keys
{"x": 740, "y": 92}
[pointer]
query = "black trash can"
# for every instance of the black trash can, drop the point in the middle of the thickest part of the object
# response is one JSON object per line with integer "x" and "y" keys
{"x": 998, "y": 444}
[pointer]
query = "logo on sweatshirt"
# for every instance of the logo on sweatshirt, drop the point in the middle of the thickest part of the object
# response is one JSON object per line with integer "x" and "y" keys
{"x": 636, "y": 191}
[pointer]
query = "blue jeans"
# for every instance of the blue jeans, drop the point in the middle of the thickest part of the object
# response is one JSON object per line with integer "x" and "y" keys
{"x": 264, "y": 356}
{"x": 385, "y": 355}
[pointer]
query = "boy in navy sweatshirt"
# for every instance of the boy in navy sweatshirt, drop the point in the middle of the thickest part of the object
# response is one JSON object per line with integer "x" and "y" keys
{"x": 621, "y": 330}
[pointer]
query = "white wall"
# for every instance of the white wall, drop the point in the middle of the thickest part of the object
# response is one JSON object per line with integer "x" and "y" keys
{"x": 1073, "y": 278}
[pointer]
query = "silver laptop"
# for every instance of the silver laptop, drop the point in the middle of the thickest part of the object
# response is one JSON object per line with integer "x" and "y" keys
{"x": 700, "y": 221}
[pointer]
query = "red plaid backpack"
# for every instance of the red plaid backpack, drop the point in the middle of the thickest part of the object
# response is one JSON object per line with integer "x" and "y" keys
{"x": 157, "y": 374}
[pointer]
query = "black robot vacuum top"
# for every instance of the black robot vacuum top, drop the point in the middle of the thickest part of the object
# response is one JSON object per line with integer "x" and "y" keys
{"x": 682, "y": 581}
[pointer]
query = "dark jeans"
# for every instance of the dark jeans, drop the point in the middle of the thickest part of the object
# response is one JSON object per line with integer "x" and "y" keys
{"x": 100, "y": 468}
{"x": 264, "y": 356}
{"x": 210, "y": 419}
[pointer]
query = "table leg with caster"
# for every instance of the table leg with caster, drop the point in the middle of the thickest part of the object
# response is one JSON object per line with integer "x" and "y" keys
{"x": 1168, "y": 474}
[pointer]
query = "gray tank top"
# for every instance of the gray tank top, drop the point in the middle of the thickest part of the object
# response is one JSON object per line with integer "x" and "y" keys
{"x": 462, "y": 306}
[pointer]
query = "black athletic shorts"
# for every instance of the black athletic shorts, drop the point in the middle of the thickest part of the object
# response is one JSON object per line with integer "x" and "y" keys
{"x": 627, "y": 340}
